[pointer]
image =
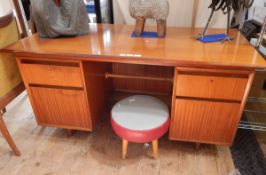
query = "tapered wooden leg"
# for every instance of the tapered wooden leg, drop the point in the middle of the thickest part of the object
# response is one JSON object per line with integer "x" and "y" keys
{"x": 143, "y": 25}
{"x": 197, "y": 146}
{"x": 155, "y": 149}
{"x": 124, "y": 148}
{"x": 7, "y": 136}
{"x": 69, "y": 132}
{"x": 161, "y": 28}
{"x": 140, "y": 22}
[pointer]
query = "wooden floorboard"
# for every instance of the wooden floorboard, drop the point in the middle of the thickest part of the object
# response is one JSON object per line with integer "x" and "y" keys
{"x": 49, "y": 151}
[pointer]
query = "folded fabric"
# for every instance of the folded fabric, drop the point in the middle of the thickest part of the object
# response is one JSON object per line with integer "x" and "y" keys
{"x": 145, "y": 35}
{"x": 213, "y": 38}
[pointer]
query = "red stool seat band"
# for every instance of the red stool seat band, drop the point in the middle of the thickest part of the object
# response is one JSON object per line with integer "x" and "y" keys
{"x": 140, "y": 136}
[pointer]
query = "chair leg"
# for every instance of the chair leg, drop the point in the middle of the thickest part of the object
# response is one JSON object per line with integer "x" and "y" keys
{"x": 7, "y": 136}
{"x": 155, "y": 149}
{"x": 124, "y": 148}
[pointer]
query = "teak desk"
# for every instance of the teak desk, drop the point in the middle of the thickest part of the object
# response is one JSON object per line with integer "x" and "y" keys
{"x": 68, "y": 79}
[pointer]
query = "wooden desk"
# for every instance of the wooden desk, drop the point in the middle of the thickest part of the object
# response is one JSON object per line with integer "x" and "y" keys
{"x": 66, "y": 78}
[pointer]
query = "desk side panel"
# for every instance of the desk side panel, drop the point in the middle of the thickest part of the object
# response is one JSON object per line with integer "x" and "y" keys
{"x": 97, "y": 87}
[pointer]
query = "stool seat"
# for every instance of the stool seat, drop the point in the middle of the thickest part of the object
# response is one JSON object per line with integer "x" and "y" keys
{"x": 140, "y": 118}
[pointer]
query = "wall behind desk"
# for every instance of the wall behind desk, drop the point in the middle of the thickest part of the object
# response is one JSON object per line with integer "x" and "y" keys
{"x": 180, "y": 14}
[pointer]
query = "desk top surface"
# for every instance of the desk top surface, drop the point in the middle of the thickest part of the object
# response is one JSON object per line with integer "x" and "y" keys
{"x": 113, "y": 43}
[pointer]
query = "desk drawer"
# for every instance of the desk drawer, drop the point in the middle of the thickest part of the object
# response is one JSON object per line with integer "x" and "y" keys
{"x": 64, "y": 108}
{"x": 211, "y": 85}
{"x": 57, "y": 74}
{"x": 204, "y": 121}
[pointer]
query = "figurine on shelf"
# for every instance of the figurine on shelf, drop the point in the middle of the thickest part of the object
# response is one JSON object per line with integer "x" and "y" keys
{"x": 69, "y": 18}
{"x": 155, "y": 9}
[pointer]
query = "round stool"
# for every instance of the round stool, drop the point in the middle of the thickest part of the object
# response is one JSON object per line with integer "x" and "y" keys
{"x": 141, "y": 119}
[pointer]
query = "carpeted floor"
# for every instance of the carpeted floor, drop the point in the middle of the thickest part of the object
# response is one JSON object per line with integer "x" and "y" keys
{"x": 247, "y": 154}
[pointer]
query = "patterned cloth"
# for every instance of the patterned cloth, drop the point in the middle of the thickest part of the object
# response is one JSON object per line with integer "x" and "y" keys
{"x": 69, "y": 19}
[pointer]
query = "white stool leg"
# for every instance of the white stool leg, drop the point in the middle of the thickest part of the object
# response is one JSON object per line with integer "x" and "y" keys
{"x": 155, "y": 149}
{"x": 124, "y": 148}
